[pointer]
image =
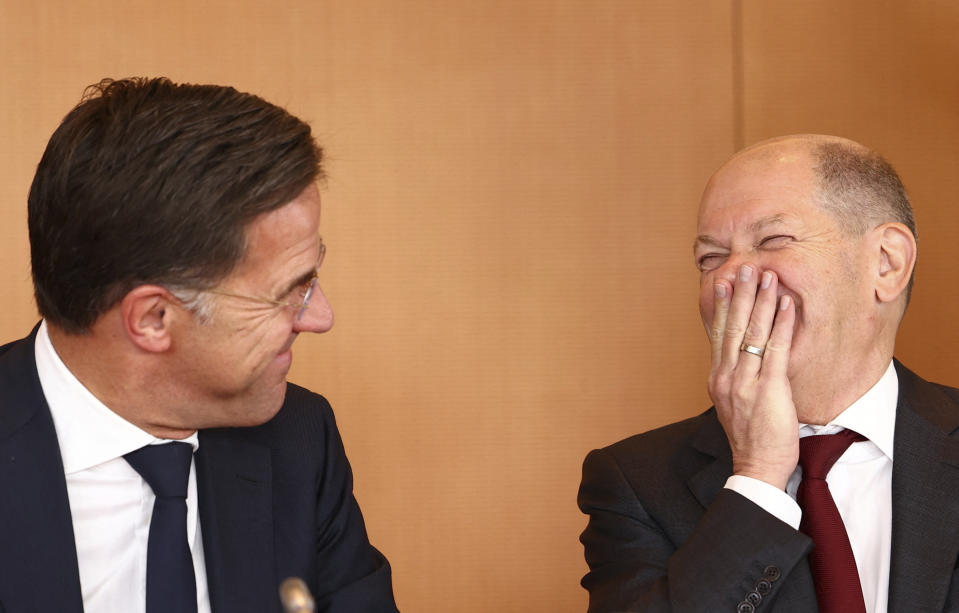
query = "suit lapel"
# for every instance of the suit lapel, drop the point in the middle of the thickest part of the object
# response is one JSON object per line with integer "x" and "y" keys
{"x": 706, "y": 483}
{"x": 234, "y": 480}
{"x": 925, "y": 504}
{"x": 708, "y": 480}
{"x": 39, "y": 570}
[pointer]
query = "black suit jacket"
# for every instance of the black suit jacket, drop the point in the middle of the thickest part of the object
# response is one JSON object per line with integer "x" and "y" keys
{"x": 274, "y": 501}
{"x": 665, "y": 535}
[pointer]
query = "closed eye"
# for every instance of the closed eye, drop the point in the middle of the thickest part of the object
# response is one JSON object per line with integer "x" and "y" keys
{"x": 710, "y": 261}
{"x": 775, "y": 241}
{"x": 299, "y": 292}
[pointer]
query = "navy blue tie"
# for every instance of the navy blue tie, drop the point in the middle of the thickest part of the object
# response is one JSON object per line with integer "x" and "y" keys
{"x": 171, "y": 584}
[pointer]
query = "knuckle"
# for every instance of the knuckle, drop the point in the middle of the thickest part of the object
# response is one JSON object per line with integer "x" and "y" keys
{"x": 719, "y": 382}
{"x": 777, "y": 345}
{"x": 739, "y": 397}
{"x": 734, "y": 330}
{"x": 754, "y": 331}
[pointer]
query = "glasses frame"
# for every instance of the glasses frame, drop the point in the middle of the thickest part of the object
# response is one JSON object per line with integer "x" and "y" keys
{"x": 311, "y": 285}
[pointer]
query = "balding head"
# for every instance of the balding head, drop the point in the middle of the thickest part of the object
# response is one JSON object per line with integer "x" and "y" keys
{"x": 852, "y": 182}
{"x": 855, "y": 183}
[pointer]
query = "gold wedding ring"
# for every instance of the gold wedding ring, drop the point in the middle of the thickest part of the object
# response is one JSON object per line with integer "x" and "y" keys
{"x": 753, "y": 349}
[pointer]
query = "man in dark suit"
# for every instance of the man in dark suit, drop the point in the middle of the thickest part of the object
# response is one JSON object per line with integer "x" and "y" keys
{"x": 175, "y": 249}
{"x": 806, "y": 247}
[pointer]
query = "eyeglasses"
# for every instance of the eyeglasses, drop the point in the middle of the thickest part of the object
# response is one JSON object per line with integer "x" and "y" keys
{"x": 300, "y": 294}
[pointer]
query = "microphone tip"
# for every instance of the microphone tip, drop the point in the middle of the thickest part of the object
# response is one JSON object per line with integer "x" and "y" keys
{"x": 295, "y": 596}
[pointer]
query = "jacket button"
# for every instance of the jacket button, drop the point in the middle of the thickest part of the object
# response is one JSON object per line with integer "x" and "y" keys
{"x": 745, "y": 607}
{"x": 753, "y": 598}
{"x": 772, "y": 574}
{"x": 763, "y": 587}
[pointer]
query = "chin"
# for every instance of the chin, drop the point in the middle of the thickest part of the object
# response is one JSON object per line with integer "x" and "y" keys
{"x": 259, "y": 406}
{"x": 269, "y": 407}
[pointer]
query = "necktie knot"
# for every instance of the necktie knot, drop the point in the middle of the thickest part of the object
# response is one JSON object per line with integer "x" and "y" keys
{"x": 818, "y": 453}
{"x": 166, "y": 468}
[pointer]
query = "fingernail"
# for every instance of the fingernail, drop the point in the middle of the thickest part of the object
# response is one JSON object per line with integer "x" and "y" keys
{"x": 784, "y": 303}
{"x": 720, "y": 290}
{"x": 745, "y": 273}
{"x": 766, "y": 280}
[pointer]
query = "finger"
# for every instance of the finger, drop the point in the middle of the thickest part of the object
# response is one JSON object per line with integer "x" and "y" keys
{"x": 776, "y": 358}
{"x": 740, "y": 308}
{"x": 722, "y": 292}
{"x": 760, "y": 323}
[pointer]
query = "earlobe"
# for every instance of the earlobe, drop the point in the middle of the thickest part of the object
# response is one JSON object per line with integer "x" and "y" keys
{"x": 146, "y": 315}
{"x": 897, "y": 258}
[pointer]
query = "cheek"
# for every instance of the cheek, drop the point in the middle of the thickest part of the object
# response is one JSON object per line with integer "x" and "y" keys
{"x": 251, "y": 354}
{"x": 796, "y": 285}
{"x": 706, "y": 301}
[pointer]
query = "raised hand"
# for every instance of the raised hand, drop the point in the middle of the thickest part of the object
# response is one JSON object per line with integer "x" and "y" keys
{"x": 750, "y": 337}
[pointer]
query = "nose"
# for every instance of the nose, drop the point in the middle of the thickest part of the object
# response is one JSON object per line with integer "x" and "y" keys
{"x": 730, "y": 268}
{"x": 318, "y": 316}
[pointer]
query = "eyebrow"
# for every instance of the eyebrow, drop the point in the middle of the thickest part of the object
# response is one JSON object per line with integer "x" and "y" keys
{"x": 301, "y": 280}
{"x": 756, "y": 226}
{"x": 759, "y": 224}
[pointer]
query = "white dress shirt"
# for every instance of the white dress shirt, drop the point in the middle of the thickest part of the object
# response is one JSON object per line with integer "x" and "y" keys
{"x": 860, "y": 483}
{"x": 110, "y": 502}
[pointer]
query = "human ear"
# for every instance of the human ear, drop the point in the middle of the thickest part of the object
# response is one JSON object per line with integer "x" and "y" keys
{"x": 897, "y": 258}
{"x": 146, "y": 316}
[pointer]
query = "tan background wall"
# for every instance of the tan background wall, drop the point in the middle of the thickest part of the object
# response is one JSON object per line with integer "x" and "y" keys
{"x": 510, "y": 210}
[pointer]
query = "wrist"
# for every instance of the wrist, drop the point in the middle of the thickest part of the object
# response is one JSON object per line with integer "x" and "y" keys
{"x": 776, "y": 476}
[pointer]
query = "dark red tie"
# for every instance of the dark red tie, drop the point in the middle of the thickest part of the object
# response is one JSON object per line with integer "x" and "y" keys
{"x": 832, "y": 562}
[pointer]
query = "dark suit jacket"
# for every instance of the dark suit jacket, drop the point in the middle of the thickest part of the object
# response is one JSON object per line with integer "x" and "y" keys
{"x": 274, "y": 501}
{"x": 665, "y": 535}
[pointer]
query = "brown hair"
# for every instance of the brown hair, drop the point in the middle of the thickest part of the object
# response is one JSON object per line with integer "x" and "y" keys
{"x": 149, "y": 181}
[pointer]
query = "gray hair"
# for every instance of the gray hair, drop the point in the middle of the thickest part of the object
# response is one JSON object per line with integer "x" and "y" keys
{"x": 862, "y": 190}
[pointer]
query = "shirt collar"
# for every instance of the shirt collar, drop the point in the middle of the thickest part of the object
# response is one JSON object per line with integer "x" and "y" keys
{"x": 88, "y": 432}
{"x": 873, "y": 415}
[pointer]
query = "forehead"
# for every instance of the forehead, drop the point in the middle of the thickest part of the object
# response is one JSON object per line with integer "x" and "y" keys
{"x": 282, "y": 232}
{"x": 767, "y": 184}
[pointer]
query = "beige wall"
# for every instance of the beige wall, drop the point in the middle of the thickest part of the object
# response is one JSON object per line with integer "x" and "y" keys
{"x": 509, "y": 213}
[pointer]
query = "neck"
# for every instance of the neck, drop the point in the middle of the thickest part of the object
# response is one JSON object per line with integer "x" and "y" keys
{"x": 113, "y": 373}
{"x": 821, "y": 401}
